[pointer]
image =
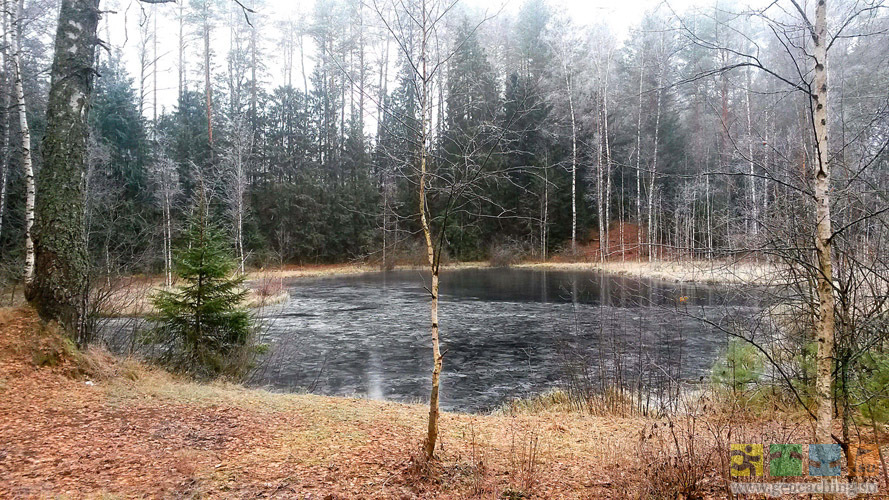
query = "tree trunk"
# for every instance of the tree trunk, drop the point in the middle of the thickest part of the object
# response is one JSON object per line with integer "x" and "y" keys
{"x": 60, "y": 282}
{"x": 638, "y": 160}
{"x": 607, "y": 157}
{"x": 4, "y": 113}
{"x": 573, "y": 161}
{"x": 27, "y": 162}
{"x": 208, "y": 90}
{"x": 432, "y": 258}
{"x": 754, "y": 217}
{"x": 653, "y": 174}
{"x": 181, "y": 51}
{"x": 600, "y": 181}
{"x": 824, "y": 334}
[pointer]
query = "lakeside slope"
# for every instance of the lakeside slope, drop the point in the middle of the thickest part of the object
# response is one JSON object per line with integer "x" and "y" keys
{"x": 88, "y": 425}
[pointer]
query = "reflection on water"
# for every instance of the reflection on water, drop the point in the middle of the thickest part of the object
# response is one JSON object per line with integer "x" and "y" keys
{"x": 505, "y": 333}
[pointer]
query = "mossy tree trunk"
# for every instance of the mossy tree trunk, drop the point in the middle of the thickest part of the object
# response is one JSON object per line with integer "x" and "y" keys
{"x": 60, "y": 282}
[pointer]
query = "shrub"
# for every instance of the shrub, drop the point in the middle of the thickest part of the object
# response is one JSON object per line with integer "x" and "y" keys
{"x": 505, "y": 255}
{"x": 741, "y": 366}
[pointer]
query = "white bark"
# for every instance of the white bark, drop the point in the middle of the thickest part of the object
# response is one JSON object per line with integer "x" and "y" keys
{"x": 573, "y": 161}
{"x": 653, "y": 174}
{"x": 824, "y": 334}
{"x": 639, "y": 158}
{"x": 27, "y": 163}
{"x": 432, "y": 258}
{"x": 752, "y": 184}
{"x": 4, "y": 161}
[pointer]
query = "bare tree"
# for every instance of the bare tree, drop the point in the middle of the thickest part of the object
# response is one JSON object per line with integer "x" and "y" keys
{"x": 4, "y": 112}
{"x": 444, "y": 187}
{"x": 235, "y": 160}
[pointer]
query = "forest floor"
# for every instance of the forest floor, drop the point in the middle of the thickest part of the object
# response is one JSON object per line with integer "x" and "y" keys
{"x": 75, "y": 425}
{"x": 89, "y": 425}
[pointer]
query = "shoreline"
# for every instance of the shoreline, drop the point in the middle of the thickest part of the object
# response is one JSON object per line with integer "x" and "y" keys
{"x": 153, "y": 433}
{"x": 713, "y": 272}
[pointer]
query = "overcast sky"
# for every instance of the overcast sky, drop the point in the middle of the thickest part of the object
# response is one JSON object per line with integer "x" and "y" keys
{"x": 122, "y": 27}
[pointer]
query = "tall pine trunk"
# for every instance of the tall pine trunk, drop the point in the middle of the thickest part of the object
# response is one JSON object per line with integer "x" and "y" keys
{"x": 60, "y": 282}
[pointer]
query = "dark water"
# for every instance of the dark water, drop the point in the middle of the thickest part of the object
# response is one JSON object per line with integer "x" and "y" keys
{"x": 505, "y": 333}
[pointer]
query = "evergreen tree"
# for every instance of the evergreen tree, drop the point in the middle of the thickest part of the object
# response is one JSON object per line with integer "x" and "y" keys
{"x": 205, "y": 317}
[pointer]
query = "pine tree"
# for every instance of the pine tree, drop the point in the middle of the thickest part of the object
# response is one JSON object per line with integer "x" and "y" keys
{"x": 204, "y": 317}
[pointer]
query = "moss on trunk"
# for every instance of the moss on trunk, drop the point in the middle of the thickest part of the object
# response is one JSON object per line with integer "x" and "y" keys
{"x": 59, "y": 288}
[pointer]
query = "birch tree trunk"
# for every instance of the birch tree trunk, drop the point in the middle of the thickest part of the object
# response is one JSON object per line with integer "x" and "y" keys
{"x": 607, "y": 157}
{"x": 4, "y": 113}
{"x": 639, "y": 158}
{"x": 25, "y": 131}
{"x": 752, "y": 185}
{"x": 432, "y": 258}
{"x": 824, "y": 334}
{"x": 600, "y": 180}
{"x": 573, "y": 161}
{"x": 60, "y": 282}
{"x": 653, "y": 174}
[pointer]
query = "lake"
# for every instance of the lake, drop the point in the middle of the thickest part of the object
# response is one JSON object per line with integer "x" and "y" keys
{"x": 505, "y": 333}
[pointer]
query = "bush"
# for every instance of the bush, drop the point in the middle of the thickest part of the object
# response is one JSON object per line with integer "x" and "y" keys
{"x": 741, "y": 366}
{"x": 505, "y": 255}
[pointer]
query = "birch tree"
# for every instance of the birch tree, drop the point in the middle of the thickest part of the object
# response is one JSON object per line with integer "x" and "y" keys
{"x": 4, "y": 112}
{"x": 235, "y": 178}
{"x": 824, "y": 335}
{"x": 25, "y": 132}
{"x": 416, "y": 27}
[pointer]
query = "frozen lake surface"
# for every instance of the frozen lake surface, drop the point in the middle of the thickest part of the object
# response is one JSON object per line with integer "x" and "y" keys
{"x": 505, "y": 333}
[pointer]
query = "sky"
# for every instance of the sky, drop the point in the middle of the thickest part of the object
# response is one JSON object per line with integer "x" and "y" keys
{"x": 122, "y": 27}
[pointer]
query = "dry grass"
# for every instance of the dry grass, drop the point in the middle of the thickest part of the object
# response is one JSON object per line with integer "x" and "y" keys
{"x": 701, "y": 271}
{"x": 717, "y": 272}
{"x": 92, "y": 425}
{"x": 130, "y": 297}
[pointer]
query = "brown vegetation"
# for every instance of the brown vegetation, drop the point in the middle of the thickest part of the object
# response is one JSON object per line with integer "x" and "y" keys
{"x": 89, "y": 425}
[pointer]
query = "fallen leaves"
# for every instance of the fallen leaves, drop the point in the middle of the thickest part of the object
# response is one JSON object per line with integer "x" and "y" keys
{"x": 156, "y": 436}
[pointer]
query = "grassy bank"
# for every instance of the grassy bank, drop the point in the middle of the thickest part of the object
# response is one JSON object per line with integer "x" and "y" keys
{"x": 699, "y": 271}
{"x": 129, "y": 296}
{"x": 89, "y": 425}
{"x": 75, "y": 425}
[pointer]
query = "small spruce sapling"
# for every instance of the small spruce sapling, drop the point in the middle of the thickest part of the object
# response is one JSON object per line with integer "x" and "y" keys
{"x": 205, "y": 316}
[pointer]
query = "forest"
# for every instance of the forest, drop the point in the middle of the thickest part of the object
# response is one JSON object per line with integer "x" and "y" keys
{"x": 186, "y": 147}
{"x": 543, "y": 134}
